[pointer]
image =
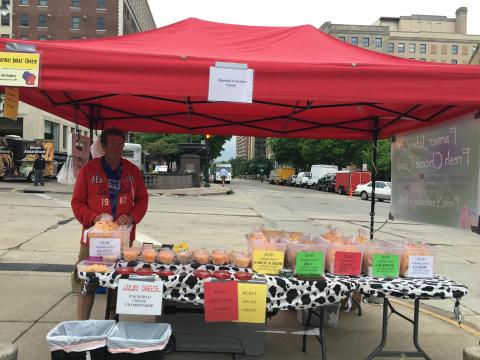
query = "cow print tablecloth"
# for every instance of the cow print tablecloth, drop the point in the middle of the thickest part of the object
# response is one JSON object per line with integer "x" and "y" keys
{"x": 439, "y": 287}
{"x": 282, "y": 293}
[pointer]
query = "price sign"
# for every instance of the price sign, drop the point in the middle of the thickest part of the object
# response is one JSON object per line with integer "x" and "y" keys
{"x": 268, "y": 261}
{"x": 309, "y": 263}
{"x": 221, "y": 301}
{"x": 252, "y": 302}
{"x": 420, "y": 266}
{"x": 347, "y": 263}
{"x": 137, "y": 297}
{"x": 104, "y": 246}
{"x": 385, "y": 265}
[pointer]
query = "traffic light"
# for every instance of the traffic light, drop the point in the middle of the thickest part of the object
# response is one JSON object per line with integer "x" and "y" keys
{"x": 207, "y": 137}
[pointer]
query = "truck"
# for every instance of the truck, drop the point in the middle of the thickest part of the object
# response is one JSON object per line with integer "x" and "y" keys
{"x": 17, "y": 156}
{"x": 317, "y": 171}
{"x": 282, "y": 174}
{"x": 346, "y": 181}
{"x": 133, "y": 153}
{"x": 219, "y": 167}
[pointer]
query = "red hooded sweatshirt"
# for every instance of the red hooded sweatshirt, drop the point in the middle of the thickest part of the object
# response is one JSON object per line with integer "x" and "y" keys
{"x": 91, "y": 196}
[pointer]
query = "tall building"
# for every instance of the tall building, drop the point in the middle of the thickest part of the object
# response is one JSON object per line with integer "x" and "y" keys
{"x": 416, "y": 37}
{"x": 64, "y": 19}
{"x": 249, "y": 147}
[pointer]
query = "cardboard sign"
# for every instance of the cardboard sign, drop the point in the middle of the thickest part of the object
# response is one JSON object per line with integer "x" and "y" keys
{"x": 268, "y": 261}
{"x": 19, "y": 69}
{"x": 138, "y": 297}
{"x": 252, "y": 302}
{"x": 230, "y": 84}
{"x": 420, "y": 266}
{"x": 347, "y": 263}
{"x": 309, "y": 263}
{"x": 385, "y": 265}
{"x": 104, "y": 246}
{"x": 221, "y": 301}
{"x": 10, "y": 105}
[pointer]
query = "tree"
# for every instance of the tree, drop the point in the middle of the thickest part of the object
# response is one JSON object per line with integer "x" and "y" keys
{"x": 383, "y": 159}
{"x": 287, "y": 151}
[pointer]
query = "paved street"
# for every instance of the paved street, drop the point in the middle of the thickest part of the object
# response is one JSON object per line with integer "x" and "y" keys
{"x": 38, "y": 228}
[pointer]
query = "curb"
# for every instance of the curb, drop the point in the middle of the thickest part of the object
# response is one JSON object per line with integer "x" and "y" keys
{"x": 8, "y": 351}
{"x": 471, "y": 353}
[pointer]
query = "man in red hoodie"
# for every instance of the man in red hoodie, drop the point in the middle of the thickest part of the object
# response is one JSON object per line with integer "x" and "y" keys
{"x": 108, "y": 185}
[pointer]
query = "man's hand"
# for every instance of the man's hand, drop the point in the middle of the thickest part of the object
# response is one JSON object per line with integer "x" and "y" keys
{"x": 97, "y": 218}
{"x": 125, "y": 220}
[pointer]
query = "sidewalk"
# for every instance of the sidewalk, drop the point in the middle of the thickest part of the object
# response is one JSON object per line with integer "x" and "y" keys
{"x": 53, "y": 187}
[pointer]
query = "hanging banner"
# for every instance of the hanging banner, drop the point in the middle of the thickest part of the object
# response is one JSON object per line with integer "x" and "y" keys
{"x": 230, "y": 82}
{"x": 435, "y": 174}
{"x": 10, "y": 104}
{"x": 137, "y": 297}
{"x": 252, "y": 302}
{"x": 221, "y": 301}
{"x": 19, "y": 69}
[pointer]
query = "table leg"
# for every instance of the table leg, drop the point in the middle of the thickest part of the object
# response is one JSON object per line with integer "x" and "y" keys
{"x": 307, "y": 325}
{"x": 378, "y": 352}
{"x": 321, "y": 330}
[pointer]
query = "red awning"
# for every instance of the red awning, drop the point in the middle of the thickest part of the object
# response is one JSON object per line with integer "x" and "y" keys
{"x": 306, "y": 83}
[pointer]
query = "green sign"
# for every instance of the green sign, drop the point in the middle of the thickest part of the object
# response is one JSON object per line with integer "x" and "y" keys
{"x": 385, "y": 265}
{"x": 309, "y": 263}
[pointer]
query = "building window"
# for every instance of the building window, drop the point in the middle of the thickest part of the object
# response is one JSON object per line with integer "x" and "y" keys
{"x": 444, "y": 49}
{"x": 342, "y": 38}
{"x": 433, "y": 49}
{"x": 354, "y": 40}
{"x": 101, "y": 4}
{"x": 464, "y": 50}
{"x": 101, "y": 23}
{"x": 23, "y": 37}
{"x": 378, "y": 42}
{"x": 366, "y": 42}
{"x": 76, "y": 3}
{"x": 42, "y": 20}
{"x": 391, "y": 47}
{"x": 453, "y": 61}
{"x": 23, "y": 2}
{"x": 401, "y": 47}
{"x": 43, "y": 37}
{"x": 23, "y": 19}
{"x": 42, "y": 2}
{"x": 411, "y": 58}
{"x": 423, "y": 48}
{"x": 423, "y": 59}
{"x": 52, "y": 132}
{"x": 454, "y": 49}
{"x": 412, "y": 48}
{"x": 5, "y": 20}
{"x": 76, "y": 22}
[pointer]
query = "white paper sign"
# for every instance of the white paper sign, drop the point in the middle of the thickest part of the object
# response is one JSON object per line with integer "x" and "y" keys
{"x": 420, "y": 266}
{"x": 234, "y": 85}
{"x": 104, "y": 246}
{"x": 138, "y": 297}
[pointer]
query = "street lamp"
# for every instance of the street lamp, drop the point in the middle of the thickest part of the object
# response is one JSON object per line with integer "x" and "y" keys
{"x": 207, "y": 167}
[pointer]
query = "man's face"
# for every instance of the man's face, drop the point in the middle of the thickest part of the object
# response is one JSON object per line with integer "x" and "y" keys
{"x": 114, "y": 147}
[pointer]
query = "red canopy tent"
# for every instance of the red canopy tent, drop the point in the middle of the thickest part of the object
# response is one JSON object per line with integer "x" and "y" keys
{"x": 306, "y": 84}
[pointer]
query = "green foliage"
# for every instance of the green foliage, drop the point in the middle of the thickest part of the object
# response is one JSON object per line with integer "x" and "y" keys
{"x": 303, "y": 153}
{"x": 257, "y": 166}
{"x": 161, "y": 144}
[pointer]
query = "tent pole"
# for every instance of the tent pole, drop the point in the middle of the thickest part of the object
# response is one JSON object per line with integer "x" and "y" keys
{"x": 374, "y": 175}
{"x": 91, "y": 121}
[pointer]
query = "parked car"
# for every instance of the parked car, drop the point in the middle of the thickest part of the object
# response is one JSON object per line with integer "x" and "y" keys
{"x": 383, "y": 190}
{"x": 302, "y": 179}
{"x": 326, "y": 183}
{"x": 291, "y": 180}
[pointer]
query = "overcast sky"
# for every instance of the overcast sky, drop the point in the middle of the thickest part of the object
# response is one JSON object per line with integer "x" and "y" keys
{"x": 300, "y": 12}
{"x": 313, "y": 12}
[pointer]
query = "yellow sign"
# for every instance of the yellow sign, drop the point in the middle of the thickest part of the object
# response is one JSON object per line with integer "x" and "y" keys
{"x": 10, "y": 105}
{"x": 268, "y": 261}
{"x": 19, "y": 69}
{"x": 252, "y": 302}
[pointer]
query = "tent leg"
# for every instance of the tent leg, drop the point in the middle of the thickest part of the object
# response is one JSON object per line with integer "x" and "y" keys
{"x": 374, "y": 177}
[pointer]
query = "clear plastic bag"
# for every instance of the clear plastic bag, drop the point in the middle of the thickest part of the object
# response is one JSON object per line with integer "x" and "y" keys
{"x": 96, "y": 149}
{"x": 138, "y": 338}
{"x": 67, "y": 174}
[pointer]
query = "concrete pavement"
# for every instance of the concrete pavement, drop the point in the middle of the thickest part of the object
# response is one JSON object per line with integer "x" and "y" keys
{"x": 36, "y": 229}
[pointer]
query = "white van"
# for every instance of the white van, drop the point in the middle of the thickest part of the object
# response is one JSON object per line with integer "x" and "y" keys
{"x": 317, "y": 171}
{"x": 219, "y": 167}
{"x": 133, "y": 153}
{"x": 302, "y": 179}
